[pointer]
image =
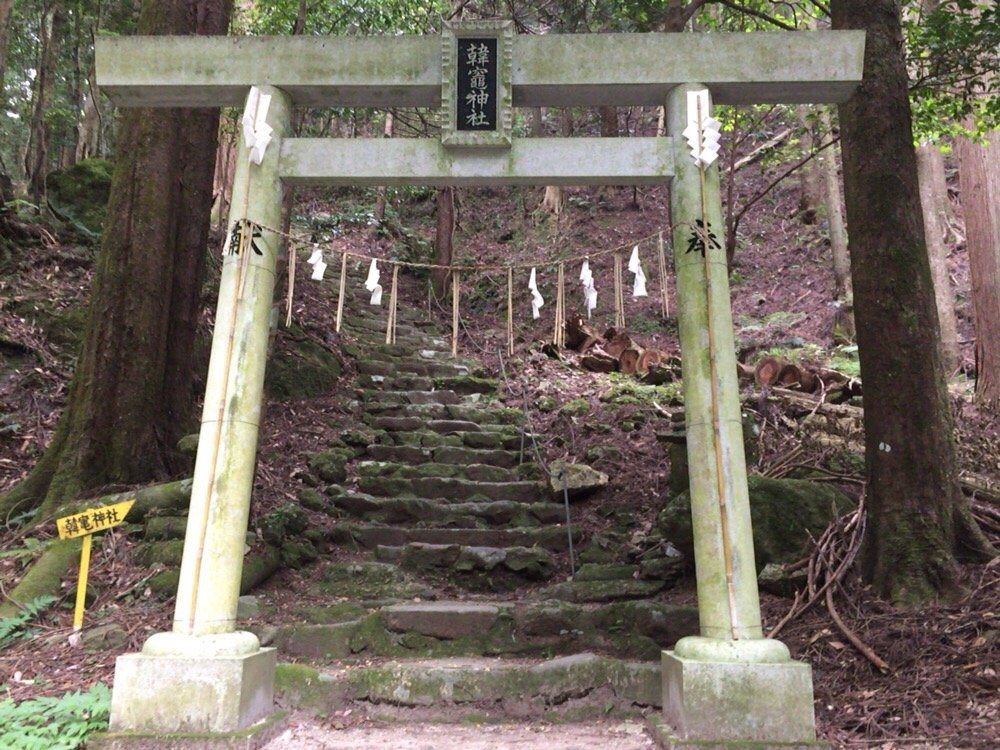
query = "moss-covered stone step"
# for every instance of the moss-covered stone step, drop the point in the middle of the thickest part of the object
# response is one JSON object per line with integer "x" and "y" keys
{"x": 637, "y": 630}
{"x": 600, "y": 591}
{"x": 371, "y": 536}
{"x": 444, "y": 455}
{"x": 453, "y": 489}
{"x": 425, "y": 512}
{"x": 524, "y": 688}
{"x": 475, "y": 472}
{"x": 418, "y": 355}
{"x": 370, "y": 581}
{"x": 478, "y": 415}
{"x": 531, "y": 563}
{"x": 483, "y": 439}
{"x": 428, "y": 369}
{"x": 396, "y": 383}
{"x": 408, "y": 397}
{"x": 460, "y": 384}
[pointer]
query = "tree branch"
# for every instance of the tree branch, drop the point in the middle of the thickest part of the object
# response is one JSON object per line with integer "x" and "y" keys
{"x": 756, "y": 14}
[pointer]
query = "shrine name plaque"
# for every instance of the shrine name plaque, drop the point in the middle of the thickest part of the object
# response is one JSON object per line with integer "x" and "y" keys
{"x": 475, "y": 84}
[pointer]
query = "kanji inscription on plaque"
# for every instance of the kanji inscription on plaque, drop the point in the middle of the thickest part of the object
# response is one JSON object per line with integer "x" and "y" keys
{"x": 476, "y": 83}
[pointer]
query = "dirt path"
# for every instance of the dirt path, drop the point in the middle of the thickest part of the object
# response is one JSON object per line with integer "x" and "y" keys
{"x": 307, "y": 734}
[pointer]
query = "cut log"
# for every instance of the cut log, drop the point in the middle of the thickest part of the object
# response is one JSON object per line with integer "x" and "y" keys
{"x": 598, "y": 360}
{"x": 617, "y": 342}
{"x": 768, "y": 369}
{"x": 580, "y": 335}
{"x": 628, "y": 360}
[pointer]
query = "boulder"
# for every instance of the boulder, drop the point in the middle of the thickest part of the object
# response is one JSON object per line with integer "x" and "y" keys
{"x": 329, "y": 466}
{"x": 581, "y": 480}
{"x": 784, "y": 513}
{"x": 80, "y": 193}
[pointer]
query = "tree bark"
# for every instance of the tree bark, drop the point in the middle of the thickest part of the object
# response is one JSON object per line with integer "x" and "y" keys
{"x": 809, "y": 175}
{"x": 36, "y": 158}
{"x": 379, "y": 212}
{"x": 835, "y": 216}
{"x": 979, "y": 180}
{"x": 131, "y": 394}
{"x": 443, "y": 247}
{"x": 929, "y": 162}
{"x": 5, "y": 7}
{"x": 917, "y": 519}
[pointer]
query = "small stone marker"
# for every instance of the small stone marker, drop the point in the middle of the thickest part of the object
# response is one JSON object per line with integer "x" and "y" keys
{"x": 86, "y": 523}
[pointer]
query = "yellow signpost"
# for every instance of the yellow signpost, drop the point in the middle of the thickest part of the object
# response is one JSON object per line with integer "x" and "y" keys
{"x": 86, "y": 523}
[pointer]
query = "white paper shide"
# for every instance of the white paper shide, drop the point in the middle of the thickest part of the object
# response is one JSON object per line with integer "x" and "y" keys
{"x": 635, "y": 266}
{"x": 703, "y": 131}
{"x": 256, "y": 132}
{"x": 589, "y": 291}
{"x": 536, "y": 298}
{"x": 372, "y": 285}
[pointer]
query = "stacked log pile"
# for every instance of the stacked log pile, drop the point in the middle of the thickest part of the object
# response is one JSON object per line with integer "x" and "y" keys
{"x": 616, "y": 351}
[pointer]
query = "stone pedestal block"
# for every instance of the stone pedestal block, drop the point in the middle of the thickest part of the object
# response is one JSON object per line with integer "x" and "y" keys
{"x": 197, "y": 693}
{"x": 719, "y": 702}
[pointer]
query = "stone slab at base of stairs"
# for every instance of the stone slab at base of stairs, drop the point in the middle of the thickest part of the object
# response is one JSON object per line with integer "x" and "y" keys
{"x": 575, "y": 685}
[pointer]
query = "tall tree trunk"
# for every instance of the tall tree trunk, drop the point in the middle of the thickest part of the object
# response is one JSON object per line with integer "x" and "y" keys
{"x": 5, "y": 7}
{"x": 929, "y": 163}
{"x": 131, "y": 394}
{"x": 835, "y": 216}
{"x": 918, "y": 520}
{"x": 979, "y": 180}
{"x": 36, "y": 160}
{"x": 380, "y": 193}
{"x": 809, "y": 175}
{"x": 444, "y": 244}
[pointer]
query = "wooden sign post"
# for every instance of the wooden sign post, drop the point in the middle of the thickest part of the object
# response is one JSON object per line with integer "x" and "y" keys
{"x": 86, "y": 523}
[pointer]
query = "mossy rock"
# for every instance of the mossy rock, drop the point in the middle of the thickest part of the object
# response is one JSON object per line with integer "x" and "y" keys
{"x": 545, "y": 403}
{"x": 313, "y": 500}
{"x": 167, "y": 553}
{"x": 329, "y": 466}
{"x": 575, "y": 408}
{"x": 785, "y": 514}
{"x": 300, "y": 367}
{"x": 297, "y": 553}
{"x": 81, "y": 192}
{"x": 288, "y": 520}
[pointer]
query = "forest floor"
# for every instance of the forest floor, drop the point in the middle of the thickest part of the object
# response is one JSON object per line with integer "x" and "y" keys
{"x": 942, "y": 685}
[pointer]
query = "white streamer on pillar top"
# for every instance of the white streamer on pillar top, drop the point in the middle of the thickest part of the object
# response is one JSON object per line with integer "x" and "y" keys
{"x": 256, "y": 132}
{"x": 702, "y": 137}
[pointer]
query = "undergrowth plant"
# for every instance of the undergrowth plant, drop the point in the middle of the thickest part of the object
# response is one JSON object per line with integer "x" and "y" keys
{"x": 54, "y": 723}
{"x": 12, "y": 628}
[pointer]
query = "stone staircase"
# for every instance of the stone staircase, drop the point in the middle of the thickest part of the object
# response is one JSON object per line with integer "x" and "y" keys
{"x": 448, "y": 586}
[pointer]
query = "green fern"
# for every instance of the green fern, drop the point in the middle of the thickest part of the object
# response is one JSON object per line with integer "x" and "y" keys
{"x": 12, "y": 628}
{"x": 54, "y": 723}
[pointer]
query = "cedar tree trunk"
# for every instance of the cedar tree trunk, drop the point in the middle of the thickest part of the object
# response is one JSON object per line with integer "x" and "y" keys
{"x": 918, "y": 521}
{"x": 979, "y": 178}
{"x": 929, "y": 163}
{"x": 131, "y": 394}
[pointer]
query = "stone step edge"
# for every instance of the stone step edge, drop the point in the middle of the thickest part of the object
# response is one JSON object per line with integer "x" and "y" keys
{"x": 538, "y": 685}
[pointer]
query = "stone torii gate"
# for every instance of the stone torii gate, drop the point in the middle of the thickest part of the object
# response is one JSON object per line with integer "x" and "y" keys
{"x": 729, "y": 684}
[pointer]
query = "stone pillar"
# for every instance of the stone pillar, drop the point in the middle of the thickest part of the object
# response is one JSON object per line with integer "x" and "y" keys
{"x": 205, "y": 676}
{"x": 729, "y": 684}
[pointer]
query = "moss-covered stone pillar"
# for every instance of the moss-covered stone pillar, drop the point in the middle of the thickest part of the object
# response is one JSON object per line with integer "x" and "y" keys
{"x": 227, "y": 445}
{"x": 729, "y": 683}
{"x": 205, "y": 676}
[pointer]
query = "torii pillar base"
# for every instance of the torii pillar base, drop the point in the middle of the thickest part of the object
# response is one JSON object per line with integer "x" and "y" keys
{"x": 726, "y": 694}
{"x": 214, "y": 684}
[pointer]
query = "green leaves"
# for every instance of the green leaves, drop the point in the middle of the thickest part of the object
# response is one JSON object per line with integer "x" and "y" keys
{"x": 54, "y": 723}
{"x": 12, "y": 628}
